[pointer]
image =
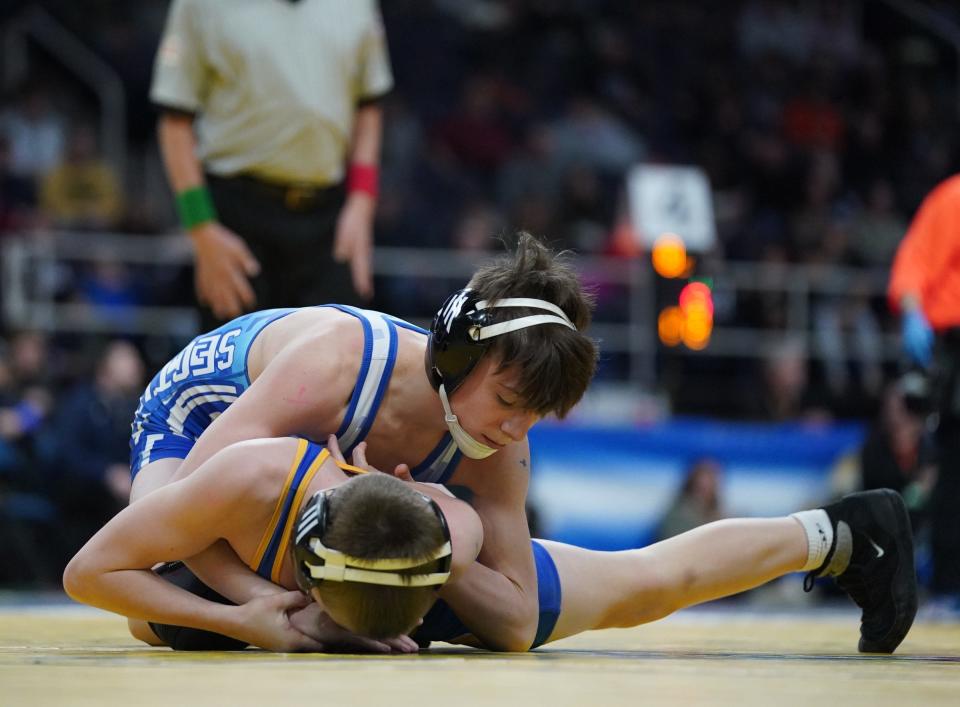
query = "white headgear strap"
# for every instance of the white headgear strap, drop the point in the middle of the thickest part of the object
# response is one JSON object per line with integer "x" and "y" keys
{"x": 491, "y": 330}
{"x": 339, "y": 567}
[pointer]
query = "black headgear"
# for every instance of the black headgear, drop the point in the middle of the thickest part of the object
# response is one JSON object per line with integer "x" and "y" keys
{"x": 463, "y": 328}
{"x": 313, "y": 562}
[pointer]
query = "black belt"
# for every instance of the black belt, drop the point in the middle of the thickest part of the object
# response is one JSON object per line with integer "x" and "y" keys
{"x": 294, "y": 196}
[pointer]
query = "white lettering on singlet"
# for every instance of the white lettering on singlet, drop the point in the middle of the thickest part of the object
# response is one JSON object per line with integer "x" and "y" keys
{"x": 204, "y": 397}
{"x": 203, "y": 356}
{"x": 148, "y": 447}
{"x": 225, "y": 350}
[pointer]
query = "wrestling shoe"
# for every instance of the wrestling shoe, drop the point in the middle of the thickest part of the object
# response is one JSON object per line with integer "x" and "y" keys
{"x": 871, "y": 559}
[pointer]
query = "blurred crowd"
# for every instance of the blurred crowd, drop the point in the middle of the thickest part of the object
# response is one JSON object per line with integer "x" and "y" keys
{"x": 64, "y": 460}
{"x": 821, "y": 126}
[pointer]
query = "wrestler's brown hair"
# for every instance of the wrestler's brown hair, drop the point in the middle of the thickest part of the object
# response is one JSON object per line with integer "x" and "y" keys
{"x": 375, "y": 516}
{"x": 554, "y": 364}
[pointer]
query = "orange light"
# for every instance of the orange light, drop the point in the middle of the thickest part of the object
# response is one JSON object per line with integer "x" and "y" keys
{"x": 669, "y": 255}
{"x": 696, "y": 343}
{"x": 696, "y": 303}
{"x": 670, "y": 326}
{"x": 698, "y": 325}
{"x": 696, "y": 293}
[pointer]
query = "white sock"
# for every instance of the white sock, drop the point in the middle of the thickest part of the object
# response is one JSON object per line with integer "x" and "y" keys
{"x": 816, "y": 524}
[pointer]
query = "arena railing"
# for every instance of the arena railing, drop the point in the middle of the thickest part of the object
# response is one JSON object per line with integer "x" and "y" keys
{"x": 37, "y": 268}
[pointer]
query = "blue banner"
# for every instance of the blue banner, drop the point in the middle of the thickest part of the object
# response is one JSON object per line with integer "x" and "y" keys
{"x": 607, "y": 487}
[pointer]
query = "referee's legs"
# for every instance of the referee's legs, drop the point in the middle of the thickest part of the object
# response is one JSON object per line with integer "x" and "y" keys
{"x": 294, "y": 247}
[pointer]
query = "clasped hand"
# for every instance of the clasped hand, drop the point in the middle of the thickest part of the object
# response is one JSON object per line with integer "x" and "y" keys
{"x": 291, "y": 622}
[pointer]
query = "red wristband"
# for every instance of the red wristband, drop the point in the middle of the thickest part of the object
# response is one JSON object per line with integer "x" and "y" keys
{"x": 363, "y": 177}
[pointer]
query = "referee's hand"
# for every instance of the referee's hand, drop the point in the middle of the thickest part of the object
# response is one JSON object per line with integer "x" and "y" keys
{"x": 353, "y": 241}
{"x": 224, "y": 266}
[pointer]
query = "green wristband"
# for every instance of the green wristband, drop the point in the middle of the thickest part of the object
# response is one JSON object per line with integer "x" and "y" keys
{"x": 195, "y": 207}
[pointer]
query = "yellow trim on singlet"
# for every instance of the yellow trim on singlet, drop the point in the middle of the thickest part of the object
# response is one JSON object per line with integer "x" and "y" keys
{"x": 268, "y": 532}
{"x": 350, "y": 468}
{"x": 292, "y": 515}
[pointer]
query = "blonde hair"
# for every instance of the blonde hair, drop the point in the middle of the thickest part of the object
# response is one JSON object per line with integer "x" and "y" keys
{"x": 376, "y": 516}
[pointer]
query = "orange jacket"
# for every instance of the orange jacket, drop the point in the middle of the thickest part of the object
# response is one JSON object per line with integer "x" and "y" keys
{"x": 927, "y": 263}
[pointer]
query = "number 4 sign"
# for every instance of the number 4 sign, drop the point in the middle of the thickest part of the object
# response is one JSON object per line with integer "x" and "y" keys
{"x": 668, "y": 199}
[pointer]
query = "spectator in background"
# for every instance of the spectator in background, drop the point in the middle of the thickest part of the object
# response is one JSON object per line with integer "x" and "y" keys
{"x": 114, "y": 289}
{"x": 476, "y": 133}
{"x": 927, "y": 154}
{"x": 476, "y": 227}
{"x": 91, "y": 442}
{"x": 590, "y": 135}
{"x": 266, "y": 108}
{"x": 812, "y": 120}
{"x": 26, "y": 514}
{"x": 697, "y": 502}
{"x": 403, "y": 141}
{"x": 36, "y": 135}
{"x": 83, "y": 192}
{"x": 835, "y": 32}
{"x": 527, "y": 170}
{"x": 18, "y": 196}
{"x": 10, "y": 459}
{"x": 846, "y": 330}
{"x": 867, "y": 151}
{"x": 27, "y": 517}
{"x": 26, "y": 390}
{"x": 431, "y": 218}
{"x": 784, "y": 391}
{"x": 812, "y": 221}
{"x": 896, "y": 454}
{"x": 773, "y": 27}
{"x": 878, "y": 228}
{"x": 891, "y": 455}
{"x": 925, "y": 290}
{"x": 586, "y": 210}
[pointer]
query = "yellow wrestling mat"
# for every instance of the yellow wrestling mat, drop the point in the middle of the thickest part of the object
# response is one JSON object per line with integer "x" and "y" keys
{"x": 72, "y": 656}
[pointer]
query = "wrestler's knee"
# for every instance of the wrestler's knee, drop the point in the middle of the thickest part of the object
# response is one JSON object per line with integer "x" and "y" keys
{"x": 141, "y": 630}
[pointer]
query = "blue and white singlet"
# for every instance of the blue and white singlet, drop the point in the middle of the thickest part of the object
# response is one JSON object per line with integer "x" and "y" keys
{"x": 202, "y": 381}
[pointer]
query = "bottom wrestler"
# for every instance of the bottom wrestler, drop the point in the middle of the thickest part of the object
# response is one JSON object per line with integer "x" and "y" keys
{"x": 373, "y": 552}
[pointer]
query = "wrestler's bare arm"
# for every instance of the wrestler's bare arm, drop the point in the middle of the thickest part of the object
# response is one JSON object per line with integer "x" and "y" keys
{"x": 219, "y": 567}
{"x": 496, "y": 597}
{"x": 112, "y": 571}
{"x": 466, "y": 529}
{"x": 303, "y": 390}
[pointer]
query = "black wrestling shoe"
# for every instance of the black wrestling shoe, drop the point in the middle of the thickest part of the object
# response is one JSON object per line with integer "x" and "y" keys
{"x": 871, "y": 559}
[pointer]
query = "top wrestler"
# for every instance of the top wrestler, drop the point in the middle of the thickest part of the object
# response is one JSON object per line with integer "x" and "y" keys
{"x": 501, "y": 354}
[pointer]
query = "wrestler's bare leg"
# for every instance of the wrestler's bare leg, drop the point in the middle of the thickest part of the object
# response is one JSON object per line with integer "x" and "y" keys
{"x": 153, "y": 476}
{"x": 141, "y": 630}
{"x": 622, "y": 589}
